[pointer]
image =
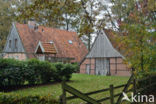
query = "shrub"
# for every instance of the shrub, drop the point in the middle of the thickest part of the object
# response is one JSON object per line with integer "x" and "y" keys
{"x": 59, "y": 72}
{"x": 47, "y": 71}
{"x": 40, "y": 71}
{"x": 68, "y": 70}
{"x": 11, "y": 72}
{"x": 151, "y": 78}
{"x": 14, "y": 99}
{"x": 33, "y": 72}
{"x": 76, "y": 67}
{"x": 16, "y": 73}
{"x": 64, "y": 71}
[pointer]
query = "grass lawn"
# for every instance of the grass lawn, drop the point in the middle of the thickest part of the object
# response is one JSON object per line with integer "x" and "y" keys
{"x": 82, "y": 82}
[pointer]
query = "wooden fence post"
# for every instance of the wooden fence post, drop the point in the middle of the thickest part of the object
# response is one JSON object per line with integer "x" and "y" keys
{"x": 60, "y": 100}
{"x": 134, "y": 86}
{"x": 134, "y": 81}
{"x": 111, "y": 94}
{"x": 63, "y": 96}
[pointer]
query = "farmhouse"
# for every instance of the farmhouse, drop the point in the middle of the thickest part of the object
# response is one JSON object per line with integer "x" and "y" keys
{"x": 27, "y": 41}
{"x": 104, "y": 59}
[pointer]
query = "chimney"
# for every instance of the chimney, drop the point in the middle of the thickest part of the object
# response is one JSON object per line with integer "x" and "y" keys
{"x": 42, "y": 30}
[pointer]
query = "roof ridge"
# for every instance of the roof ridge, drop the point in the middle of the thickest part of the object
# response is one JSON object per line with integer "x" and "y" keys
{"x": 42, "y": 26}
{"x": 102, "y": 47}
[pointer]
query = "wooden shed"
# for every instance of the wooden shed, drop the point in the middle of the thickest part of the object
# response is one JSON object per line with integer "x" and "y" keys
{"x": 104, "y": 59}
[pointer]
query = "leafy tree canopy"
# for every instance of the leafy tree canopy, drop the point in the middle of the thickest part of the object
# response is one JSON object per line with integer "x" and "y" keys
{"x": 137, "y": 30}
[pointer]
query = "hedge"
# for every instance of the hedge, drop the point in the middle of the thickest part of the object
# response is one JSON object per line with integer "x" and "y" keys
{"x": 31, "y": 72}
{"x": 143, "y": 83}
{"x": 64, "y": 72}
{"x": 15, "y": 99}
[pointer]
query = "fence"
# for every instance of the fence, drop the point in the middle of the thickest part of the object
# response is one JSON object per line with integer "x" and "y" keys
{"x": 85, "y": 96}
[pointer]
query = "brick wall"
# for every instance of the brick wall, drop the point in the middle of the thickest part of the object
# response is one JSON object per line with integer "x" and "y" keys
{"x": 117, "y": 67}
{"x": 19, "y": 56}
{"x": 90, "y": 62}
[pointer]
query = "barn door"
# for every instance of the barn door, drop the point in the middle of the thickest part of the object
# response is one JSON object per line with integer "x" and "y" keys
{"x": 88, "y": 69}
{"x": 102, "y": 66}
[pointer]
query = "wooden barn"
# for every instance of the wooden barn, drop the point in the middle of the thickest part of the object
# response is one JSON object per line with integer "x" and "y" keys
{"x": 104, "y": 59}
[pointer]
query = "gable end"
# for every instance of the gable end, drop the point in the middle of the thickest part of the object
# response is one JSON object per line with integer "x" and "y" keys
{"x": 13, "y": 43}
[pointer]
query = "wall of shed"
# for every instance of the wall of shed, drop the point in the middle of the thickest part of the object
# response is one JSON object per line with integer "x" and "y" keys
{"x": 19, "y": 56}
{"x": 117, "y": 67}
{"x": 90, "y": 62}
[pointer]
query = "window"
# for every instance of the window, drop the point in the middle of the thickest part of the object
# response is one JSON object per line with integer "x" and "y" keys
{"x": 51, "y": 42}
{"x": 15, "y": 43}
{"x": 9, "y": 43}
{"x": 16, "y": 57}
{"x": 70, "y": 42}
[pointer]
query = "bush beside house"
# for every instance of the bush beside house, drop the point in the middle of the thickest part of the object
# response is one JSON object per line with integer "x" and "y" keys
{"x": 18, "y": 73}
{"x": 64, "y": 71}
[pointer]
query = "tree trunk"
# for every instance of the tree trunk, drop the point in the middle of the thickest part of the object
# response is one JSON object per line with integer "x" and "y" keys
{"x": 89, "y": 42}
{"x": 142, "y": 56}
{"x": 67, "y": 22}
{"x": 142, "y": 60}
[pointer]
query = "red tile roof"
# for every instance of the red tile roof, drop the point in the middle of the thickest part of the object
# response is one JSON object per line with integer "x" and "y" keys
{"x": 61, "y": 38}
{"x": 48, "y": 48}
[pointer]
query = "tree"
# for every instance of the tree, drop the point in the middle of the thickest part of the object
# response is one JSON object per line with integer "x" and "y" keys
{"x": 90, "y": 10}
{"x": 136, "y": 30}
{"x": 152, "y": 65}
{"x": 54, "y": 13}
{"x": 6, "y": 17}
{"x": 79, "y": 16}
{"x": 8, "y": 13}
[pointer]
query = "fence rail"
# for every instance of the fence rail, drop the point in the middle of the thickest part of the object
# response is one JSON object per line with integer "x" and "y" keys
{"x": 86, "y": 96}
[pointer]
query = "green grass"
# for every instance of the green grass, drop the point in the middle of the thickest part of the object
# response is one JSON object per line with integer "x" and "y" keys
{"x": 82, "y": 82}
